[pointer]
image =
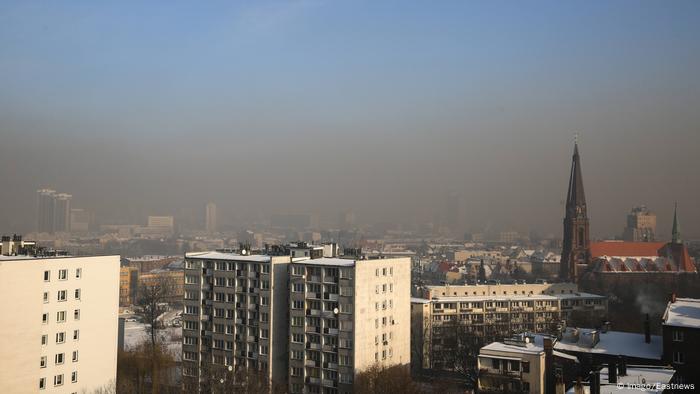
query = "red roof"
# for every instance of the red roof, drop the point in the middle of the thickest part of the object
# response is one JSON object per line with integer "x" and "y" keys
{"x": 631, "y": 249}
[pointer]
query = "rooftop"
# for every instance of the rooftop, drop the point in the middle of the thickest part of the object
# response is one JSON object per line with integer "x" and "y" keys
{"x": 612, "y": 343}
{"x": 331, "y": 262}
{"x": 630, "y": 382}
{"x": 685, "y": 312}
{"x": 228, "y": 256}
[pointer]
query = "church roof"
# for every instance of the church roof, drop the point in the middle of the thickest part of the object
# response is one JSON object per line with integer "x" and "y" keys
{"x": 628, "y": 249}
{"x": 575, "y": 196}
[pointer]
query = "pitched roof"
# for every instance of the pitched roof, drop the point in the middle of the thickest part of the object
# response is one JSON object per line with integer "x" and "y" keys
{"x": 628, "y": 249}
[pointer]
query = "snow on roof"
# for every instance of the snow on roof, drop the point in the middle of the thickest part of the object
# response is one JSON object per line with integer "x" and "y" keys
{"x": 528, "y": 348}
{"x": 616, "y": 343}
{"x": 685, "y": 312}
{"x": 228, "y": 256}
{"x": 331, "y": 262}
{"x": 416, "y": 300}
{"x": 630, "y": 382}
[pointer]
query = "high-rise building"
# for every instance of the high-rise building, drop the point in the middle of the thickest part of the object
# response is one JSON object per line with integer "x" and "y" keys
{"x": 210, "y": 218}
{"x": 161, "y": 224}
{"x": 235, "y": 315}
{"x": 576, "y": 245}
{"x": 62, "y": 212}
{"x": 345, "y": 316}
{"x": 60, "y": 330}
{"x": 45, "y": 210}
{"x": 641, "y": 225}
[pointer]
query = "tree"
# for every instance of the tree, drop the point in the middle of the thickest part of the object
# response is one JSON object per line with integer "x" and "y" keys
{"x": 152, "y": 297}
{"x": 143, "y": 369}
{"x": 153, "y": 294}
{"x": 378, "y": 379}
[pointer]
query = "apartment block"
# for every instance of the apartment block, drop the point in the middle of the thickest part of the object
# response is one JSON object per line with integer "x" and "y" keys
{"x": 59, "y": 334}
{"x": 345, "y": 316}
{"x": 235, "y": 317}
{"x": 450, "y": 317}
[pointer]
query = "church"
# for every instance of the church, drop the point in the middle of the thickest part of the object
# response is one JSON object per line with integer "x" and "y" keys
{"x": 580, "y": 255}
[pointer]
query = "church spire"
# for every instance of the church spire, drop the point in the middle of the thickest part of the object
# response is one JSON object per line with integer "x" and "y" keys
{"x": 576, "y": 243}
{"x": 575, "y": 197}
{"x": 675, "y": 232}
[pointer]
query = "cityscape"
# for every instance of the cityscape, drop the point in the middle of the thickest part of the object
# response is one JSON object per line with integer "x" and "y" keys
{"x": 317, "y": 197}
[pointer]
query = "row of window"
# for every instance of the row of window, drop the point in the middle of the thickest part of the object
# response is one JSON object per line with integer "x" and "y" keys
{"x": 58, "y": 380}
{"x": 60, "y": 337}
{"x": 59, "y": 358}
{"x": 62, "y": 295}
{"x": 62, "y": 274}
{"x": 60, "y": 316}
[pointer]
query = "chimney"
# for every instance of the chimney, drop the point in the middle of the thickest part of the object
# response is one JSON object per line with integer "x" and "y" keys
{"x": 673, "y": 297}
{"x": 578, "y": 387}
{"x": 622, "y": 366}
{"x": 594, "y": 381}
{"x": 612, "y": 372}
{"x": 647, "y": 330}
{"x": 549, "y": 378}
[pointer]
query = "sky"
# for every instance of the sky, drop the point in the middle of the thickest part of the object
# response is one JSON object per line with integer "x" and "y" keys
{"x": 382, "y": 108}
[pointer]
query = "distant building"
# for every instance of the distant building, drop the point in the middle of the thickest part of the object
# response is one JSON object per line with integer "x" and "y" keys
{"x": 641, "y": 225}
{"x": 63, "y": 314}
{"x": 159, "y": 225}
{"x": 62, "y": 212}
{"x": 45, "y": 210}
{"x": 576, "y": 249}
{"x": 681, "y": 338}
{"x": 128, "y": 285}
{"x": 456, "y": 316}
{"x": 345, "y": 316}
{"x": 79, "y": 220}
{"x": 210, "y": 218}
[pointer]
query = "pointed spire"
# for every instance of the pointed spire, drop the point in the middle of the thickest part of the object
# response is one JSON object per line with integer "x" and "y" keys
{"x": 675, "y": 232}
{"x": 576, "y": 197}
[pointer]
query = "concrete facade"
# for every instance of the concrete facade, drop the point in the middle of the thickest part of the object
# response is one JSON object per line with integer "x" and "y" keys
{"x": 61, "y": 326}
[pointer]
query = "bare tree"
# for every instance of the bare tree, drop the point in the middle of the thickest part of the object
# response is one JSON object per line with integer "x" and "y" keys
{"x": 379, "y": 380}
{"x": 143, "y": 369}
{"x": 153, "y": 294}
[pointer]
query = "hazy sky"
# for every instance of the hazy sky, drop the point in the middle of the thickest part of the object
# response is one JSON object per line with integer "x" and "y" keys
{"x": 379, "y": 107}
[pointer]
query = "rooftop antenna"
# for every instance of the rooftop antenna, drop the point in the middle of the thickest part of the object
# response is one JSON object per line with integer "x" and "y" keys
{"x": 576, "y": 138}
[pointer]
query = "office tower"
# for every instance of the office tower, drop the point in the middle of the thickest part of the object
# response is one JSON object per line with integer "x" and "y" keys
{"x": 577, "y": 245}
{"x": 59, "y": 334}
{"x": 62, "y": 212}
{"x": 345, "y": 316}
{"x": 641, "y": 225}
{"x": 210, "y": 218}
{"x": 235, "y": 314}
{"x": 45, "y": 210}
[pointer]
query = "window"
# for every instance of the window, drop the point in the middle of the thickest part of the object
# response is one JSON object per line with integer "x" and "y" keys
{"x": 76, "y": 335}
{"x": 74, "y": 376}
{"x": 191, "y": 279}
{"x": 61, "y": 316}
{"x": 47, "y": 276}
{"x": 58, "y": 359}
{"x": 297, "y": 270}
{"x": 297, "y": 321}
{"x": 78, "y": 273}
{"x": 45, "y": 318}
{"x": 297, "y": 371}
{"x": 61, "y": 295}
{"x": 190, "y": 340}
{"x": 678, "y": 358}
{"x": 46, "y": 297}
{"x": 42, "y": 363}
{"x": 75, "y": 355}
{"x": 191, "y": 310}
{"x": 60, "y": 337}
{"x": 298, "y": 288}
{"x": 190, "y": 325}
{"x": 297, "y": 355}
{"x": 298, "y": 338}
{"x": 77, "y": 294}
{"x": 297, "y": 304}
{"x": 42, "y": 383}
{"x": 44, "y": 340}
{"x": 677, "y": 336}
{"x": 62, "y": 274}
{"x": 76, "y": 314}
{"x": 526, "y": 367}
{"x": 189, "y": 356}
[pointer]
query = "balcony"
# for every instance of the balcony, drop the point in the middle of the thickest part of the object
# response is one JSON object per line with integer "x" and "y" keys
{"x": 311, "y": 363}
{"x": 329, "y": 383}
{"x": 333, "y": 366}
{"x": 313, "y": 329}
{"x": 204, "y": 317}
{"x": 313, "y": 380}
{"x": 330, "y": 331}
{"x": 313, "y": 345}
{"x": 330, "y": 297}
{"x": 328, "y": 314}
{"x": 313, "y": 312}
{"x": 313, "y": 278}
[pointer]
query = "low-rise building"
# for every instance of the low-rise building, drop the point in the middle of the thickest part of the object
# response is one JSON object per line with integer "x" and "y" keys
{"x": 681, "y": 338}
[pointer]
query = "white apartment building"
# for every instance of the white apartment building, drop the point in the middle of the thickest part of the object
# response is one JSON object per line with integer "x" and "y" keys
{"x": 345, "y": 316}
{"x": 59, "y": 330}
{"x": 235, "y": 315}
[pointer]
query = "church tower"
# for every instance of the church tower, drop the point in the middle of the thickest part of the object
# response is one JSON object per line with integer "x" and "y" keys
{"x": 576, "y": 248}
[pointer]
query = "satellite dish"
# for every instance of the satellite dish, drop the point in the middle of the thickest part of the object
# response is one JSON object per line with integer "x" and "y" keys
{"x": 335, "y": 310}
{"x": 221, "y": 381}
{"x": 230, "y": 368}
